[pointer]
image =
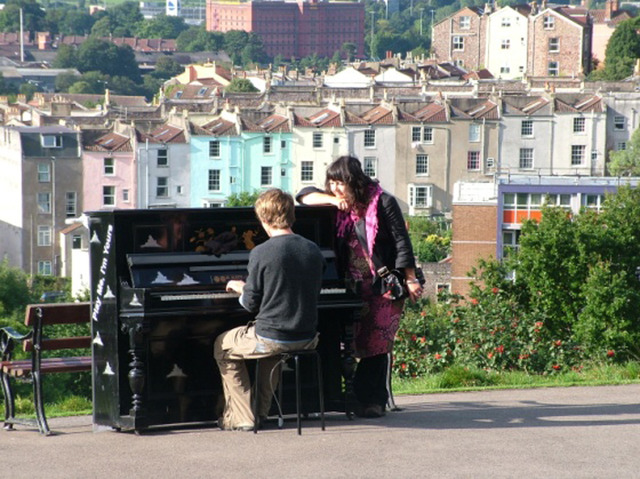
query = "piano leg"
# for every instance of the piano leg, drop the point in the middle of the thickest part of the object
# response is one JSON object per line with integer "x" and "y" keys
{"x": 136, "y": 372}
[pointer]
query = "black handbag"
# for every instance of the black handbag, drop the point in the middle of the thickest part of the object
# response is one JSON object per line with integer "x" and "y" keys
{"x": 394, "y": 283}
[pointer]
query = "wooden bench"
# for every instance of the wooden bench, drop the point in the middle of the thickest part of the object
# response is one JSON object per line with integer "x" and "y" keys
{"x": 39, "y": 318}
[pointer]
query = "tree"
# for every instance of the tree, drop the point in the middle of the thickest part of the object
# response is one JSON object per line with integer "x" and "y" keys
{"x": 32, "y": 16}
{"x": 65, "y": 80}
{"x": 15, "y": 293}
{"x": 66, "y": 57}
{"x": 105, "y": 57}
{"x": 622, "y": 50}
{"x": 161, "y": 26}
{"x": 242, "y": 199}
{"x": 167, "y": 67}
{"x": 626, "y": 162}
{"x": 197, "y": 39}
{"x": 240, "y": 85}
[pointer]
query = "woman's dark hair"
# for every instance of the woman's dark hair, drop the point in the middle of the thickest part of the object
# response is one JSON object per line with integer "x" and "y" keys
{"x": 348, "y": 170}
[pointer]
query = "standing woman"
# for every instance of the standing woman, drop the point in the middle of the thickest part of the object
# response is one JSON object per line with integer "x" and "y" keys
{"x": 370, "y": 231}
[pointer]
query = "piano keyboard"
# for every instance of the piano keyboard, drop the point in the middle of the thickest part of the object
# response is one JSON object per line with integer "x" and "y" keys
{"x": 196, "y": 296}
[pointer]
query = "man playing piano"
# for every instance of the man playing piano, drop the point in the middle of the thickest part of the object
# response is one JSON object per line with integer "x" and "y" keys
{"x": 282, "y": 288}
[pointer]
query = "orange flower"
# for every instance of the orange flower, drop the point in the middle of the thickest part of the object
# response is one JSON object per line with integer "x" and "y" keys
{"x": 556, "y": 366}
{"x": 611, "y": 353}
{"x": 437, "y": 356}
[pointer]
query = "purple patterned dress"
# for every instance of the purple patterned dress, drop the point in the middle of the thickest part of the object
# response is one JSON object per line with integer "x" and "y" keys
{"x": 375, "y": 332}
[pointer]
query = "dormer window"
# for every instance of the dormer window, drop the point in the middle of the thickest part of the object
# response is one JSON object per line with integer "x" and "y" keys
{"x": 51, "y": 141}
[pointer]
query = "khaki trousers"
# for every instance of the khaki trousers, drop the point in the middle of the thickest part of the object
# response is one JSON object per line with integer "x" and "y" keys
{"x": 230, "y": 350}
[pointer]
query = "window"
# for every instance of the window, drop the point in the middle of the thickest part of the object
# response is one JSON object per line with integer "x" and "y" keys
{"x": 422, "y": 164}
{"x": 214, "y": 180}
{"x": 108, "y": 195}
{"x": 266, "y": 176}
{"x": 526, "y": 158}
{"x": 458, "y": 43}
{"x": 510, "y": 240}
{"x": 474, "y": 132}
{"x": 44, "y": 173}
{"x": 621, "y": 145}
{"x": 317, "y": 140}
{"x": 283, "y": 144}
{"x": 506, "y": 22}
{"x": 162, "y": 187}
{"x": 267, "y": 146}
{"x": 554, "y": 45}
{"x": 125, "y": 195}
{"x": 370, "y": 166}
{"x": 163, "y": 157}
{"x": 505, "y": 44}
{"x": 76, "y": 242}
{"x": 44, "y": 268}
{"x": 44, "y": 203}
{"x": 179, "y": 190}
{"x": 214, "y": 149}
{"x": 505, "y": 69}
{"x": 370, "y": 138}
{"x": 306, "y": 171}
{"x": 51, "y": 141}
{"x": 108, "y": 167}
{"x": 526, "y": 128}
{"x": 458, "y": 62}
{"x": 579, "y": 125}
{"x": 44, "y": 236}
{"x": 465, "y": 22}
{"x": 473, "y": 160}
{"x": 618, "y": 123}
{"x": 420, "y": 196}
{"x": 577, "y": 155}
{"x": 336, "y": 140}
{"x": 553, "y": 69}
{"x": 560, "y": 200}
{"x": 70, "y": 204}
{"x": 421, "y": 134}
{"x": 593, "y": 202}
{"x": 549, "y": 22}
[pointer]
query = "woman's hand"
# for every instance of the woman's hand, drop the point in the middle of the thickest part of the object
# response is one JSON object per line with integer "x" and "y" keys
{"x": 340, "y": 203}
{"x": 415, "y": 290}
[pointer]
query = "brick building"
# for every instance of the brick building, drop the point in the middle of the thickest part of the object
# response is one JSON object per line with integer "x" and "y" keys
{"x": 518, "y": 40}
{"x": 293, "y": 29}
{"x": 461, "y": 38}
{"x": 560, "y": 42}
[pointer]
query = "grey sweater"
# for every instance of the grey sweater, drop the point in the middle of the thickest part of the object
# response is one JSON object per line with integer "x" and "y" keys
{"x": 284, "y": 281}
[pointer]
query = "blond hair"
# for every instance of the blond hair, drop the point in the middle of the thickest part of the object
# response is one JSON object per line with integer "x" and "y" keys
{"x": 275, "y": 208}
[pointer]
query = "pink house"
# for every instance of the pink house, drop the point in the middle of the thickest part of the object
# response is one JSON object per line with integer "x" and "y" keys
{"x": 109, "y": 171}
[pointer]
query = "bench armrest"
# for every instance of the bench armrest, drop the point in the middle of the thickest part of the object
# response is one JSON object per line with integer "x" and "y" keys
{"x": 9, "y": 336}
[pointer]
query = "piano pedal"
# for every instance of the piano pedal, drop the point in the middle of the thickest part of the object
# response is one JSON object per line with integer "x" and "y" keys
{"x": 280, "y": 422}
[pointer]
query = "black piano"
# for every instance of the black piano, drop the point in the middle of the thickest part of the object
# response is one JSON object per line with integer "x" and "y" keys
{"x": 158, "y": 302}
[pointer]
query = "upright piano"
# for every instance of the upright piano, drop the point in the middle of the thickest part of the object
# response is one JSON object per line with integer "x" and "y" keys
{"x": 158, "y": 298}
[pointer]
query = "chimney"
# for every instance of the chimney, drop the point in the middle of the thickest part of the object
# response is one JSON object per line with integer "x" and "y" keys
{"x": 610, "y": 7}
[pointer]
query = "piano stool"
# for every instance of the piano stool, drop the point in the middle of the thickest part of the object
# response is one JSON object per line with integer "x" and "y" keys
{"x": 283, "y": 358}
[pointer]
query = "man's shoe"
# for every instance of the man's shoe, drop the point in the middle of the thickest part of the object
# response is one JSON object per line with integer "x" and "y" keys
{"x": 239, "y": 427}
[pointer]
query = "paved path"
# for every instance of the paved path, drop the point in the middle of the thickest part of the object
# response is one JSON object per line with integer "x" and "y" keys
{"x": 579, "y": 432}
